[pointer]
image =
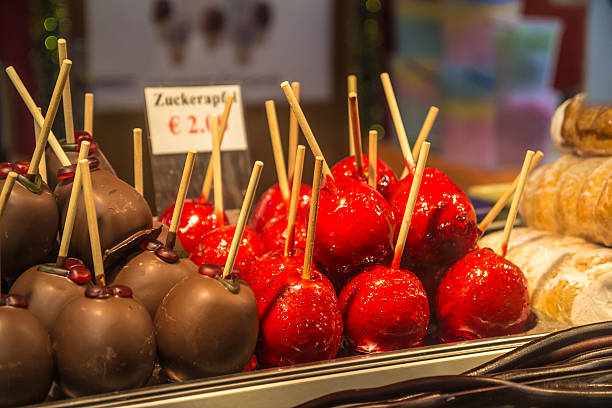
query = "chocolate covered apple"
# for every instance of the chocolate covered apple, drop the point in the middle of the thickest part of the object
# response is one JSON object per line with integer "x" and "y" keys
{"x": 26, "y": 359}
{"x": 217, "y": 300}
{"x": 298, "y": 309}
{"x": 155, "y": 270}
{"x": 386, "y": 308}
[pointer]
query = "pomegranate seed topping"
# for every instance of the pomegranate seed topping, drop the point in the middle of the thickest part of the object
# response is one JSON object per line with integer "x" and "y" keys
{"x": 22, "y": 167}
{"x": 210, "y": 270}
{"x": 120, "y": 291}
{"x": 79, "y": 274}
{"x": 166, "y": 254}
{"x": 70, "y": 262}
{"x": 97, "y": 292}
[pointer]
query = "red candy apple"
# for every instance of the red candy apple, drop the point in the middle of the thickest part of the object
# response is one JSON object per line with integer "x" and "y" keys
{"x": 385, "y": 177}
{"x": 443, "y": 226}
{"x": 354, "y": 226}
{"x": 214, "y": 247}
{"x": 271, "y": 205}
{"x": 482, "y": 295}
{"x": 384, "y": 309}
{"x": 274, "y": 233}
{"x": 197, "y": 219}
{"x": 267, "y": 267}
{"x": 299, "y": 319}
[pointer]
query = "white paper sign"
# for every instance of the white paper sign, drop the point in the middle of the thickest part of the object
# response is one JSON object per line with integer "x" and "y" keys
{"x": 179, "y": 118}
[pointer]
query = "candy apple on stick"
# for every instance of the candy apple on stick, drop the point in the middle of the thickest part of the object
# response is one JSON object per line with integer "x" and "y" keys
{"x": 217, "y": 300}
{"x": 274, "y": 202}
{"x": 357, "y": 166}
{"x": 386, "y": 308}
{"x": 214, "y": 246}
{"x": 199, "y": 216}
{"x": 155, "y": 270}
{"x": 299, "y": 316}
{"x": 483, "y": 294}
{"x": 30, "y": 223}
{"x": 49, "y": 287}
{"x": 354, "y": 227}
{"x": 103, "y": 318}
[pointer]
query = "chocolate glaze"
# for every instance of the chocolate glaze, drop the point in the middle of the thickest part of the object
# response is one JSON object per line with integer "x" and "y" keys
{"x": 151, "y": 278}
{"x": 103, "y": 345}
{"x": 205, "y": 330}
{"x": 53, "y": 164}
{"x": 26, "y": 359}
{"x": 163, "y": 235}
{"x": 121, "y": 212}
{"x": 29, "y": 230}
{"x": 47, "y": 293}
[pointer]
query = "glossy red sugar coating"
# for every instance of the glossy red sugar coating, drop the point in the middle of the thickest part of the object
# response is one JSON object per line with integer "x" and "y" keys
{"x": 214, "y": 247}
{"x": 354, "y": 226}
{"x": 197, "y": 219}
{"x": 274, "y": 233}
{"x": 299, "y": 320}
{"x": 266, "y": 268}
{"x": 384, "y": 309}
{"x": 442, "y": 229}
{"x": 272, "y": 205}
{"x": 385, "y": 177}
{"x": 482, "y": 295}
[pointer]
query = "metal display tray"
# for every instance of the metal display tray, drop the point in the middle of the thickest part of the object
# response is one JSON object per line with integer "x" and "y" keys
{"x": 289, "y": 386}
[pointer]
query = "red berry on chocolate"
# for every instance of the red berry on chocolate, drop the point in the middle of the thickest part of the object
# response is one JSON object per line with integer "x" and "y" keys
{"x": 482, "y": 295}
{"x": 79, "y": 274}
{"x": 70, "y": 262}
{"x": 210, "y": 270}
{"x": 385, "y": 177}
{"x": 167, "y": 254}
{"x": 97, "y": 292}
{"x": 384, "y": 309}
{"x": 120, "y": 291}
{"x": 22, "y": 167}
{"x": 272, "y": 205}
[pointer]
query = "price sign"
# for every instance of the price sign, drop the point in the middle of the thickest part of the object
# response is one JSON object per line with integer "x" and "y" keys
{"x": 179, "y": 118}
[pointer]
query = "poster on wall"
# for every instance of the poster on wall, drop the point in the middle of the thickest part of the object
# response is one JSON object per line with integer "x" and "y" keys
{"x": 255, "y": 43}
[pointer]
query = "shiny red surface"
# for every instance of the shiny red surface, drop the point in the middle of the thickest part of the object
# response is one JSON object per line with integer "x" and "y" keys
{"x": 482, "y": 295}
{"x": 197, "y": 219}
{"x": 274, "y": 233}
{"x": 267, "y": 267}
{"x": 384, "y": 309}
{"x": 214, "y": 247}
{"x": 299, "y": 320}
{"x": 19, "y": 167}
{"x": 442, "y": 229}
{"x": 272, "y": 205}
{"x": 385, "y": 177}
{"x": 354, "y": 226}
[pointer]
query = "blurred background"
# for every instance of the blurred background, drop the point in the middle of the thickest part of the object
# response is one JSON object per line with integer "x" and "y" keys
{"x": 497, "y": 69}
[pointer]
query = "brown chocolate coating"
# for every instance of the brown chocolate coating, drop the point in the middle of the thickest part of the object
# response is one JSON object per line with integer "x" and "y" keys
{"x": 163, "y": 236}
{"x": 26, "y": 359}
{"x": 53, "y": 164}
{"x": 47, "y": 293}
{"x": 151, "y": 278}
{"x": 121, "y": 212}
{"x": 103, "y": 345}
{"x": 205, "y": 330}
{"x": 29, "y": 228}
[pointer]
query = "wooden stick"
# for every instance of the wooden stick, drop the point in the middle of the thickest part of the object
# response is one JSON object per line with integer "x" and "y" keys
{"x": 293, "y": 132}
{"x": 372, "y": 158}
{"x": 277, "y": 149}
{"x": 208, "y": 178}
{"x": 72, "y": 208}
{"x": 138, "y": 174}
{"x": 503, "y": 200}
{"x": 312, "y": 218}
{"x": 88, "y": 114}
{"x": 351, "y": 86}
{"x": 397, "y": 121}
{"x": 37, "y": 115}
{"x": 412, "y": 197}
{"x": 42, "y": 167}
{"x": 6, "y": 190}
{"x": 515, "y": 201}
{"x": 425, "y": 129}
{"x": 295, "y": 196}
{"x": 180, "y": 198}
{"x": 49, "y": 117}
{"x": 218, "y": 176}
{"x": 92, "y": 222}
{"x": 66, "y": 95}
{"x": 354, "y": 114}
{"x": 247, "y": 204}
{"x": 310, "y": 138}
